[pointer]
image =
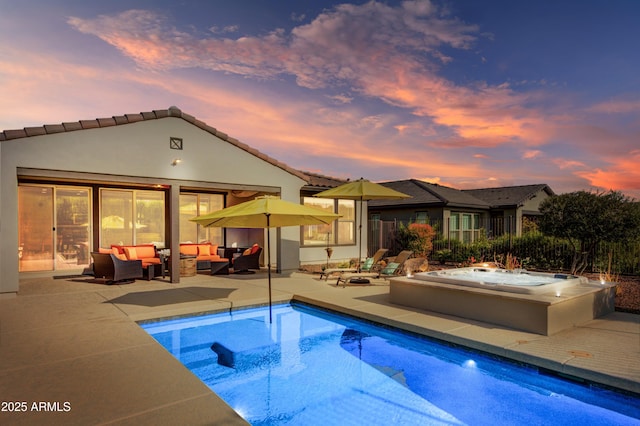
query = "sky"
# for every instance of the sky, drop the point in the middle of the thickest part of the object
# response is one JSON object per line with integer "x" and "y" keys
{"x": 463, "y": 93}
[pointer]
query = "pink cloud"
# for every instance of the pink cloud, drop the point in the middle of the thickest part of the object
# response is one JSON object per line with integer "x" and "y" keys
{"x": 622, "y": 174}
{"x": 531, "y": 154}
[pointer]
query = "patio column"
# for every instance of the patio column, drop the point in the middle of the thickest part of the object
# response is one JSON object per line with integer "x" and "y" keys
{"x": 174, "y": 232}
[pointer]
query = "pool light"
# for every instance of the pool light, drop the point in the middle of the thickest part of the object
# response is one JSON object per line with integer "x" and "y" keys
{"x": 469, "y": 364}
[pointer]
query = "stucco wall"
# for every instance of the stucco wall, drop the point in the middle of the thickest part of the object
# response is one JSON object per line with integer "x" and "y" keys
{"x": 138, "y": 150}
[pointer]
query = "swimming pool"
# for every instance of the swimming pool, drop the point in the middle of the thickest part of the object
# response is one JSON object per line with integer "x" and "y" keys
{"x": 312, "y": 367}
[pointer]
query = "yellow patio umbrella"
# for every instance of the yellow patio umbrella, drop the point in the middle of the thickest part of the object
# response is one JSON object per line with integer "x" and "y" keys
{"x": 266, "y": 212}
{"x": 362, "y": 190}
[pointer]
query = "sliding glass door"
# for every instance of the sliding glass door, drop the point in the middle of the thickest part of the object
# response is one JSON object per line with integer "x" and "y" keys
{"x": 54, "y": 227}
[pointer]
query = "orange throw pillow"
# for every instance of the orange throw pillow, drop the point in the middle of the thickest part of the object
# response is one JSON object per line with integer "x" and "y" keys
{"x": 247, "y": 252}
{"x": 131, "y": 253}
{"x": 204, "y": 250}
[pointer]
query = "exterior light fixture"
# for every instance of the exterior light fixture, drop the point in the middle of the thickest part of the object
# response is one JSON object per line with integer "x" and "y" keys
{"x": 176, "y": 161}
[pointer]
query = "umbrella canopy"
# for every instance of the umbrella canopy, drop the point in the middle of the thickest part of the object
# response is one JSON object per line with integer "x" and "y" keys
{"x": 266, "y": 212}
{"x": 362, "y": 190}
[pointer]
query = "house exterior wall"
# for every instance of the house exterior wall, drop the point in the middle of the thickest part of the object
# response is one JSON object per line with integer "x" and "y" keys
{"x": 408, "y": 214}
{"x": 341, "y": 253}
{"x": 132, "y": 152}
{"x": 533, "y": 204}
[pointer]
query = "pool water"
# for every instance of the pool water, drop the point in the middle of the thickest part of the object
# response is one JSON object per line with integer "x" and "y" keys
{"x": 313, "y": 367}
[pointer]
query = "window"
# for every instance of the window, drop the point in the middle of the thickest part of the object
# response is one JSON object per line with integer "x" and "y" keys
{"x": 132, "y": 217}
{"x": 464, "y": 227}
{"x": 192, "y": 205}
{"x": 339, "y": 232}
{"x": 422, "y": 217}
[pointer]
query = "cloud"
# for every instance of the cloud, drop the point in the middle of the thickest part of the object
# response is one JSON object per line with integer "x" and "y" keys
{"x": 531, "y": 154}
{"x": 225, "y": 29}
{"x": 391, "y": 54}
{"x": 568, "y": 164}
{"x": 621, "y": 174}
{"x": 375, "y": 50}
{"x": 618, "y": 106}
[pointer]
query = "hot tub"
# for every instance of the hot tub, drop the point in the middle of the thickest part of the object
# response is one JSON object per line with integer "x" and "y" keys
{"x": 530, "y": 301}
{"x": 513, "y": 281}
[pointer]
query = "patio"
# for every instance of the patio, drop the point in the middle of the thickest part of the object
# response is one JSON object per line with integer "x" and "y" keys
{"x": 67, "y": 340}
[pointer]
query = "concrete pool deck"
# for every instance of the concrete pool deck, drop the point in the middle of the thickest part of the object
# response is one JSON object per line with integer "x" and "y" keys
{"x": 73, "y": 352}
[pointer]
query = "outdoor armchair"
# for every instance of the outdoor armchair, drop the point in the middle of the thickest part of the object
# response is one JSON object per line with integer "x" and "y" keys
{"x": 107, "y": 266}
{"x": 246, "y": 261}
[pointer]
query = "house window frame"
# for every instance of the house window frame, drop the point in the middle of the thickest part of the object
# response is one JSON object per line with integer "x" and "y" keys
{"x": 336, "y": 228}
{"x": 464, "y": 226}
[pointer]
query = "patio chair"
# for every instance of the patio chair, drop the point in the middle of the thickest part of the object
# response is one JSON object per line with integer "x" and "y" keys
{"x": 396, "y": 264}
{"x": 250, "y": 259}
{"x": 371, "y": 264}
{"x": 107, "y": 266}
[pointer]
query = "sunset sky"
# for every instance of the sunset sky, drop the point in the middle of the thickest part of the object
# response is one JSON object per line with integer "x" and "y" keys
{"x": 464, "y": 93}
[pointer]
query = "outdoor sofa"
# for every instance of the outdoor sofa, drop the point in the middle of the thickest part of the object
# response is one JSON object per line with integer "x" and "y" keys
{"x": 205, "y": 253}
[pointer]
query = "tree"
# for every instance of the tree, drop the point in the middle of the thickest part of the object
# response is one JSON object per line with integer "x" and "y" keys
{"x": 585, "y": 219}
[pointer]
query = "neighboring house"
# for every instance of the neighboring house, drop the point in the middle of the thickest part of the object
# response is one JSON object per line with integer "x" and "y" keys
{"x": 460, "y": 214}
{"x": 68, "y": 189}
{"x": 511, "y": 205}
{"x": 454, "y": 213}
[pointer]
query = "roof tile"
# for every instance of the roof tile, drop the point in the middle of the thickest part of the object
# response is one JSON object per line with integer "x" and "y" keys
{"x": 35, "y": 131}
{"x": 69, "y": 127}
{"x": 120, "y": 119}
{"x": 14, "y": 134}
{"x": 134, "y": 118}
{"x": 54, "y": 128}
{"x": 161, "y": 113}
{"x": 89, "y": 124}
{"x": 106, "y": 122}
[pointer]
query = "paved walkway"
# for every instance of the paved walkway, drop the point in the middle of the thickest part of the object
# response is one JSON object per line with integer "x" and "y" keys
{"x": 75, "y": 347}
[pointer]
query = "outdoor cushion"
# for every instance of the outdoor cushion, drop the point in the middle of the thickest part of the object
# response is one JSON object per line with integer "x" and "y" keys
{"x": 131, "y": 253}
{"x": 247, "y": 252}
{"x": 368, "y": 263}
{"x": 145, "y": 251}
{"x": 207, "y": 250}
{"x": 189, "y": 249}
{"x": 254, "y": 249}
{"x": 390, "y": 269}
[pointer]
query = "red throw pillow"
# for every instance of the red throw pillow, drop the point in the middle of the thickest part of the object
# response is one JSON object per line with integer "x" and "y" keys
{"x": 255, "y": 249}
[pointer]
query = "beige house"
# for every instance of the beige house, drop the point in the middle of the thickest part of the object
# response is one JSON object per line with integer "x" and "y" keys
{"x": 71, "y": 188}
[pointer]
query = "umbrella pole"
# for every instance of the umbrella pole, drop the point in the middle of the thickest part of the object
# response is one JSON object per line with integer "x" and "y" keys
{"x": 360, "y": 236}
{"x": 269, "y": 265}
